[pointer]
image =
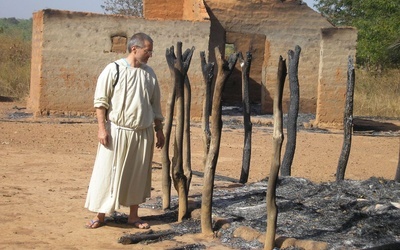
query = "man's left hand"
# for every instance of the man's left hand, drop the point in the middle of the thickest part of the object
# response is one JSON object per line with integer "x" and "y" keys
{"x": 160, "y": 139}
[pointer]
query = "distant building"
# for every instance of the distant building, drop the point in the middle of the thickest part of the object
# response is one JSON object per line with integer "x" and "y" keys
{"x": 69, "y": 50}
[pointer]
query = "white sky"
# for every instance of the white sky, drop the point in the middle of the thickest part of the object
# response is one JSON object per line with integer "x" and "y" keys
{"x": 23, "y": 9}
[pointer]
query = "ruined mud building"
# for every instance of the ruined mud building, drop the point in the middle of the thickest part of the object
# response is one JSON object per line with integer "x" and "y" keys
{"x": 69, "y": 50}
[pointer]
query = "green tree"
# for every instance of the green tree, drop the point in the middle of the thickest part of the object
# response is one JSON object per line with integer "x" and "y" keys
{"x": 123, "y": 7}
{"x": 378, "y": 25}
{"x": 16, "y": 27}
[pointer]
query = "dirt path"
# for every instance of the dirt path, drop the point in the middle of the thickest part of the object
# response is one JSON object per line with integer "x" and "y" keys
{"x": 46, "y": 164}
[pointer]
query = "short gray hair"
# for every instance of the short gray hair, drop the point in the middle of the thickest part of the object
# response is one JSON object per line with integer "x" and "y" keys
{"x": 138, "y": 40}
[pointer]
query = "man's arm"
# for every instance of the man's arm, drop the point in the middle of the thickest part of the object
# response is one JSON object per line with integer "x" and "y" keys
{"x": 101, "y": 120}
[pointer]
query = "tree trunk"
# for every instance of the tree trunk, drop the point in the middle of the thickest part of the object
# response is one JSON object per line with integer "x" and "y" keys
{"x": 208, "y": 76}
{"x": 348, "y": 123}
{"x": 224, "y": 71}
{"x": 272, "y": 211}
{"x": 397, "y": 177}
{"x": 166, "y": 162}
{"x": 187, "y": 165}
{"x": 180, "y": 65}
{"x": 244, "y": 176}
{"x": 294, "y": 57}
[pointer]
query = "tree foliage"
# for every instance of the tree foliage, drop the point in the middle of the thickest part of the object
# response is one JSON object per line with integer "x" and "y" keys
{"x": 123, "y": 7}
{"x": 377, "y": 22}
{"x": 21, "y": 28}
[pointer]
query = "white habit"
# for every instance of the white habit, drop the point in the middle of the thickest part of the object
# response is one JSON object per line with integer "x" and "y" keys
{"x": 122, "y": 170}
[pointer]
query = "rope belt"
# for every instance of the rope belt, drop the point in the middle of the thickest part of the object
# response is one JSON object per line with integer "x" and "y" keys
{"x": 115, "y": 142}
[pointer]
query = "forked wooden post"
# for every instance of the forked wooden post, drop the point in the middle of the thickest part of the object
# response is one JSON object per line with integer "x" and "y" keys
{"x": 178, "y": 66}
{"x": 208, "y": 76}
{"x": 224, "y": 71}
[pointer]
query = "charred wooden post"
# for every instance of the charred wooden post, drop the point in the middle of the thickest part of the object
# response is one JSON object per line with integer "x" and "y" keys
{"x": 272, "y": 211}
{"x": 224, "y": 71}
{"x": 245, "y": 65}
{"x": 208, "y": 76}
{"x": 166, "y": 162}
{"x": 187, "y": 164}
{"x": 397, "y": 177}
{"x": 179, "y": 66}
{"x": 348, "y": 122}
{"x": 294, "y": 57}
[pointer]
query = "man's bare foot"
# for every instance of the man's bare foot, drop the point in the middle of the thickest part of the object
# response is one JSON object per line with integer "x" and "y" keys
{"x": 96, "y": 222}
{"x": 139, "y": 224}
{"x": 92, "y": 224}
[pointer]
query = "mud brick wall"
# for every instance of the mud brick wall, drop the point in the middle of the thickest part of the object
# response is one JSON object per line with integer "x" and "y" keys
{"x": 336, "y": 47}
{"x": 285, "y": 25}
{"x": 70, "y": 49}
{"x": 193, "y": 10}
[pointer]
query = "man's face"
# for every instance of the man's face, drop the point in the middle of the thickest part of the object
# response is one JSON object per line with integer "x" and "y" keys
{"x": 143, "y": 54}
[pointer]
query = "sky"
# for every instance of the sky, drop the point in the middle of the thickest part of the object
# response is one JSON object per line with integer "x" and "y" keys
{"x": 23, "y": 9}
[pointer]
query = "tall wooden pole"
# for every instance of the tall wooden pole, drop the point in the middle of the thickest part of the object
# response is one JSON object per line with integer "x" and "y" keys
{"x": 348, "y": 122}
{"x": 248, "y": 126}
{"x": 224, "y": 71}
{"x": 272, "y": 211}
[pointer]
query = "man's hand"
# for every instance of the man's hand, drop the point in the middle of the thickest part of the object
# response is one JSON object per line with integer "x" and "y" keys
{"x": 103, "y": 137}
{"x": 160, "y": 139}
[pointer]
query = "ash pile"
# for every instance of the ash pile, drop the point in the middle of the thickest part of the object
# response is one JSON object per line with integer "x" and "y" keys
{"x": 346, "y": 215}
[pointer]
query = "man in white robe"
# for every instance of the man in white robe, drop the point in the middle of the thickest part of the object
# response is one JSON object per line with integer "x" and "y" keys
{"x": 126, "y": 111}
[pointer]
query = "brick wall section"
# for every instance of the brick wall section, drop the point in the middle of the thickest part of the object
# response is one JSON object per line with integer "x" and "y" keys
{"x": 163, "y": 9}
{"x": 193, "y": 10}
{"x": 285, "y": 25}
{"x": 70, "y": 49}
{"x": 36, "y": 63}
{"x": 255, "y": 44}
{"x": 337, "y": 45}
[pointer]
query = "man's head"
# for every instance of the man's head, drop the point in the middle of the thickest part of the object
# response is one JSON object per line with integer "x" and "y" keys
{"x": 141, "y": 46}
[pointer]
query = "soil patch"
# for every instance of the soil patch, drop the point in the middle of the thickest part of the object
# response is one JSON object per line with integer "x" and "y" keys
{"x": 46, "y": 164}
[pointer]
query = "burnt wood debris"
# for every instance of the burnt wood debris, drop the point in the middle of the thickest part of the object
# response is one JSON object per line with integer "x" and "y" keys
{"x": 345, "y": 213}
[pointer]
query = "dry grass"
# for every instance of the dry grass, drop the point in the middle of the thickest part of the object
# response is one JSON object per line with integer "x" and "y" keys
{"x": 15, "y": 56}
{"x": 377, "y": 94}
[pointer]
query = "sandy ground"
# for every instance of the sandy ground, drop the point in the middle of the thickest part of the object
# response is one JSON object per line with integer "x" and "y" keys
{"x": 46, "y": 164}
